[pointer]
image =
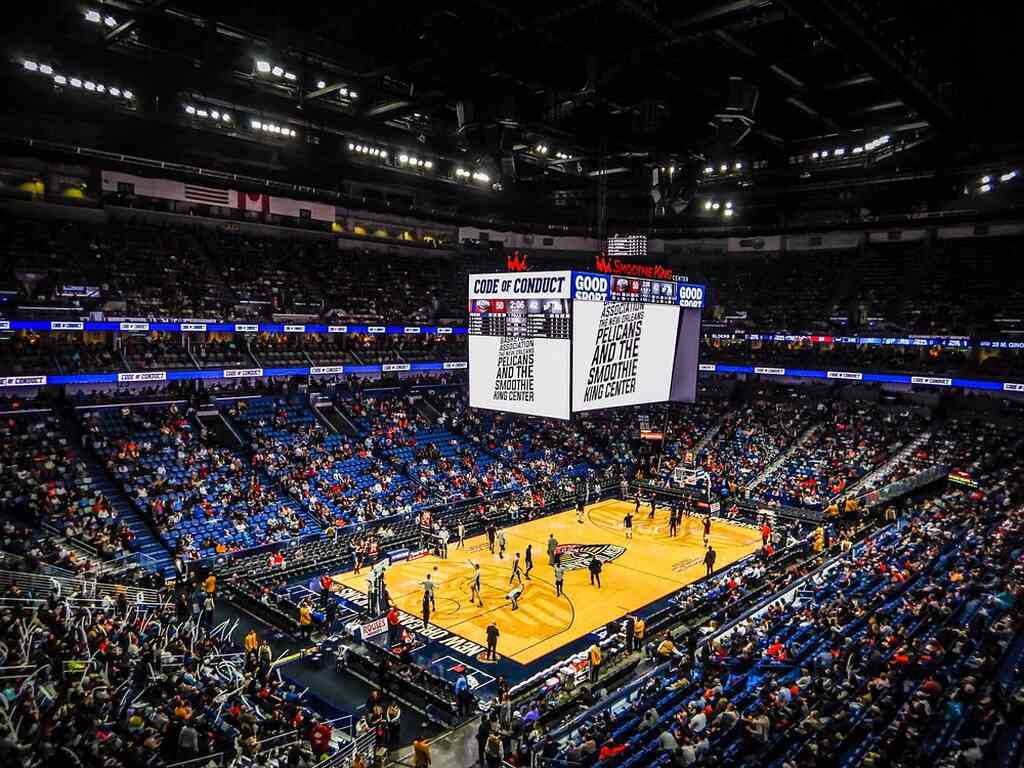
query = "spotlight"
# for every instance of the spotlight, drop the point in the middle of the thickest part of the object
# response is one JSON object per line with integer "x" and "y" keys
{"x": 824, "y": 153}
{"x": 93, "y": 16}
{"x": 115, "y": 91}
{"x": 412, "y": 161}
{"x": 858, "y": 150}
{"x": 708, "y": 170}
{"x": 343, "y": 92}
{"x": 728, "y": 205}
{"x": 61, "y": 80}
{"x": 289, "y": 76}
{"x": 100, "y": 88}
{"x": 403, "y": 159}
{"x": 738, "y": 167}
{"x": 129, "y": 95}
{"x": 76, "y": 83}
{"x": 321, "y": 84}
{"x": 384, "y": 155}
{"x": 1008, "y": 176}
{"x": 190, "y": 109}
{"x": 226, "y": 117}
{"x": 728, "y": 212}
{"x": 277, "y": 71}
{"x": 202, "y": 113}
{"x": 723, "y": 168}
{"x": 707, "y": 205}
{"x": 715, "y": 206}
{"x": 986, "y": 179}
{"x": 31, "y": 66}
{"x": 814, "y": 155}
{"x": 90, "y": 85}
{"x": 840, "y": 152}
{"x": 428, "y": 164}
{"x": 262, "y": 66}
{"x": 46, "y": 69}
{"x": 985, "y": 188}
{"x": 353, "y": 94}
{"x": 110, "y": 21}
{"x": 256, "y": 125}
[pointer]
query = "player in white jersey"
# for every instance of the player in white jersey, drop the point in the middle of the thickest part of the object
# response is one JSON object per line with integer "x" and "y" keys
{"x": 474, "y": 586}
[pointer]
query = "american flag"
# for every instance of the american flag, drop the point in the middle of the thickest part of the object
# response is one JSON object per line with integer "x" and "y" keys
{"x": 207, "y": 196}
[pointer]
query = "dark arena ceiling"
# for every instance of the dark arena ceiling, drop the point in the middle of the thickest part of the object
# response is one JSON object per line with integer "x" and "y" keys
{"x": 630, "y": 112}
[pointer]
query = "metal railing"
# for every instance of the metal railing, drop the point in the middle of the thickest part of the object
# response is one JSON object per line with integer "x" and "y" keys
{"x": 83, "y": 587}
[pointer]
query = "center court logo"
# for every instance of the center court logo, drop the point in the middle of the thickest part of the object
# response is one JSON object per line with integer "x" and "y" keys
{"x": 577, "y": 556}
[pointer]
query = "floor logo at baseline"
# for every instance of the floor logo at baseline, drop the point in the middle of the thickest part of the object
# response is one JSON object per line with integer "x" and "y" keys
{"x": 575, "y": 556}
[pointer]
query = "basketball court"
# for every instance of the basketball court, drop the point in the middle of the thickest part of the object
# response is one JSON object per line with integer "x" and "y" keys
{"x": 636, "y": 572}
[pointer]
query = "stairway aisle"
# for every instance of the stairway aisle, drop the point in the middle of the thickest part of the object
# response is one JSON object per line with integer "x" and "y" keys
{"x": 145, "y": 539}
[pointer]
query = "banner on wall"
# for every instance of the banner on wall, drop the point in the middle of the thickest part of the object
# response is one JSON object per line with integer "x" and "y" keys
{"x": 254, "y": 201}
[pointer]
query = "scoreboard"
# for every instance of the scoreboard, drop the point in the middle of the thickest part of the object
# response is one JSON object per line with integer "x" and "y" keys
{"x": 520, "y": 318}
{"x": 627, "y": 246}
{"x": 552, "y": 343}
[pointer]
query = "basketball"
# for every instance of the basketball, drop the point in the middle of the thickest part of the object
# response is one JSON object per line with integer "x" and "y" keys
{"x": 435, "y": 567}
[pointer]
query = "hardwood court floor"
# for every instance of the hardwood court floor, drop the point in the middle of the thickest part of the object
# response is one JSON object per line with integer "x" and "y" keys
{"x": 652, "y": 566}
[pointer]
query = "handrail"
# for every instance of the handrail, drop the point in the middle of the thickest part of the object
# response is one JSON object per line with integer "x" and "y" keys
{"x": 85, "y": 586}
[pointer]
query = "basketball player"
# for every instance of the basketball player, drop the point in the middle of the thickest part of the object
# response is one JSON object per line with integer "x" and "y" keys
{"x": 502, "y": 543}
{"x": 491, "y": 535}
{"x": 462, "y": 534}
{"x": 552, "y": 546}
{"x": 428, "y": 592}
{"x": 474, "y": 586}
{"x": 358, "y": 556}
{"x": 559, "y": 578}
{"x": 673, "y": 521}
{"x": 517, "y": 574}
{"x": 627, "y": 524}
{"x": 707, "y": 528}
{"x": 650, "y": 515}
{"x": 529, "y": 560}
{"x": 579, "y": 510}
{"x": 513, "y": 596}
{"x": 444, "y": 536}
{"x": 636, "y": 508}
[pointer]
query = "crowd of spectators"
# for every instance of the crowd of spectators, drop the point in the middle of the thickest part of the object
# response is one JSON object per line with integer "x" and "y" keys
{"x": 44, "y": 480}
{"x": 851, "y": 440}
{"x": 203, "y": 499}
{"x": 144, "y": 680}
{"x": 753, "y": 435}
{"x": 340, "y": 479}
